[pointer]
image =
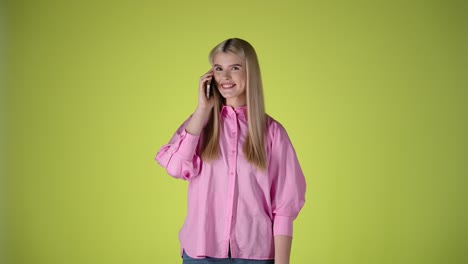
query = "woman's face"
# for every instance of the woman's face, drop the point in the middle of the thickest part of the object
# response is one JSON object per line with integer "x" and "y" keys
{"x": 230, "y": 75}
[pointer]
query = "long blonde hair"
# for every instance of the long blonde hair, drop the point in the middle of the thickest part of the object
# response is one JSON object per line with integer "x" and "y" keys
{"x": 254, "y": 145}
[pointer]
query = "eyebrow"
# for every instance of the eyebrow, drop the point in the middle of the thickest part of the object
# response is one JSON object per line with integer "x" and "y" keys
{"x": 229, "y": 65}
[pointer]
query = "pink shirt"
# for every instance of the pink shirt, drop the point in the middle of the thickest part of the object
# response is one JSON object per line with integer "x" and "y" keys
{"x": 230, "y": 201}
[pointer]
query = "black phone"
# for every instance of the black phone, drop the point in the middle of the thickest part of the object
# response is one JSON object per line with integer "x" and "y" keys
{"x": 210, "y": 87}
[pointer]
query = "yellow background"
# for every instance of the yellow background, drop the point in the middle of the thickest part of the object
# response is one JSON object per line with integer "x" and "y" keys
{"x": 373, "y": 95}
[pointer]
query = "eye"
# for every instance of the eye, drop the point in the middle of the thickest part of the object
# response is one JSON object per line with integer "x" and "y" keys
{"x": 236, "y": 68}
{"x": 217, "y": 68}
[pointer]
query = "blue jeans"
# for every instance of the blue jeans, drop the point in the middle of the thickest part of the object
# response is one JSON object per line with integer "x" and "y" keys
{"x": 188, "y": 260}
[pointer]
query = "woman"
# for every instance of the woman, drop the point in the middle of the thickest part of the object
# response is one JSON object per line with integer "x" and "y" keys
{"x": 246, "y": 185}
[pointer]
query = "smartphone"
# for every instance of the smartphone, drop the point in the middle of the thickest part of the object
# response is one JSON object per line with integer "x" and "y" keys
{"x": 209, "y": 88}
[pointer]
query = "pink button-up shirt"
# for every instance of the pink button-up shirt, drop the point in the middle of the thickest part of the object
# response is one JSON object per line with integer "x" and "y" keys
{"x": 231, "y": 203}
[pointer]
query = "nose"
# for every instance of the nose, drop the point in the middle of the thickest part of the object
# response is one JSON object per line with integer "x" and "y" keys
{"x": 226, "y": 75}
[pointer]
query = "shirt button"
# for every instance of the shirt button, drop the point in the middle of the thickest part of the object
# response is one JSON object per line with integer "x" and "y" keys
{"x": 232, "y": 173}
{"x": 233, "y": 133}
{"x": 233, "y": 152}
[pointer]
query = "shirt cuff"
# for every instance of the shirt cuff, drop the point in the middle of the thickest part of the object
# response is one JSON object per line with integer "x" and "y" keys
{"x": 187, "y": 145}
{"x": 283, "y": 225}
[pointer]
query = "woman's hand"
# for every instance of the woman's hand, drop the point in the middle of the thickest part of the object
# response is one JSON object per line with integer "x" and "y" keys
{"x": 282, "y": 249}
{"x": 204, "y": 106}
{"x": 204, "y": 103}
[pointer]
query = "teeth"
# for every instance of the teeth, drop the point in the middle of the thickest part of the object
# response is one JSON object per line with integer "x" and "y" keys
{"x": 228, "y": 85}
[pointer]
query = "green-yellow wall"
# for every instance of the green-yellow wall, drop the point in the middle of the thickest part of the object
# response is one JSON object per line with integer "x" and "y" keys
{"x": 372, "y": 93}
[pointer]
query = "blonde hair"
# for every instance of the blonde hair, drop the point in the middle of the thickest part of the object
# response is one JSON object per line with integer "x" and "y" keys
{"x": 254, "y": 145}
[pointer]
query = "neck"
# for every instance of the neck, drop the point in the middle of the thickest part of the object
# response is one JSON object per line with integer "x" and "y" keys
{"x": 235, "y": 102}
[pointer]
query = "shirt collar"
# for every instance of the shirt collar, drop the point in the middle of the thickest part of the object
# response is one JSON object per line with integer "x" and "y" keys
{"x": 240, "y": 111}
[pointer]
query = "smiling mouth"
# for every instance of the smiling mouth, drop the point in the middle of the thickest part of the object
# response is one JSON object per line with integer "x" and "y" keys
{"x": 228, "y": 86}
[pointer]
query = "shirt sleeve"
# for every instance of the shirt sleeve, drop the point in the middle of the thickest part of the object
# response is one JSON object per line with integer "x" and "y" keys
{"x": 288, "y": 183}
{"x": 180, "y": 157}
